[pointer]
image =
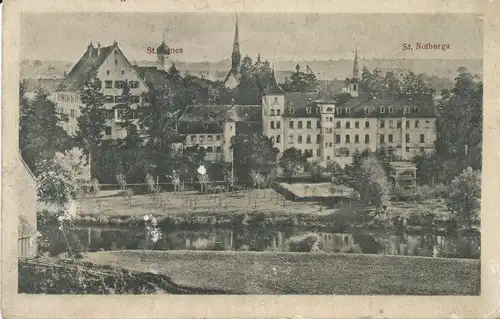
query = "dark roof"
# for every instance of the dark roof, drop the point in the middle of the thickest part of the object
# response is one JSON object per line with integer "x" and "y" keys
{"x": 221, "y": 113}
{"x": 163, "y": 49}
{"x": 332, "y": 86}
{"x": 85, "y": 67}
{"x": 366, "y": 105}
{"x": 301, "y": 104}
{"x": 273, "y": 87}
{"x": 153, "y": 76}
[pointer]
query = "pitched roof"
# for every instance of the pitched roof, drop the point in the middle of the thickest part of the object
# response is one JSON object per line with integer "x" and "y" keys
{"x": 153, "y": 76}
{"x": 332, "y": 86}
{"x": 366, "y": 105}
{"x": 301, "y": 104}
{"x": 85, "y": 67}
{"x": 273, "y": 87}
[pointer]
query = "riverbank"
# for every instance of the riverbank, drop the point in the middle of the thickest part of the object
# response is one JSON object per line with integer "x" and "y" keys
{"x": 302, "y": 273}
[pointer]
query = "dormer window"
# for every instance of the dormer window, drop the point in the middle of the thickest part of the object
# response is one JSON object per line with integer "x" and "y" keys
{"x": 348, "y": 110}
{"x": 382, "y": 109}
{"x": 406, "y": 110}
{"x": 390, "y": 109}
{"x": 367, "y": 110}
{"x": 292, "y": 110}
{"x": 205, "y": 125}
{"x": 308, "y": 110}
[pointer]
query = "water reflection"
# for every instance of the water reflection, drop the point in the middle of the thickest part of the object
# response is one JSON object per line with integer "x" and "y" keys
{"x": 368, "y": 242}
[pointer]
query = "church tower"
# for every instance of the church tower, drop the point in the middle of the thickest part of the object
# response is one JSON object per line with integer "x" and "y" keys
{"x": 163, "y": 56}
{"x": 233, "y": 77}
{"x": 353, "y": 87}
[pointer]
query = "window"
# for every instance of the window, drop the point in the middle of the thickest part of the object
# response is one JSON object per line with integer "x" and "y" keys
{"x": 382, "y": 138}
{"x": 210, "y": 138}
{"x": 367, "y": 124}
{"x": 108, "y": 84}
{"x": 290, "y": 139}
{"x": 308, "y": 110}
{"x": 119, "y": 85}
{"x": 338, "y": 125}
{"x": 278, "y": 125}
{"x": 330, "y": 144}
{"x": 417, "y": 123}
{"x": 390, "y": 138}
{"x": 278, "y": 112}
{"x": 118, "y": 98}
{"x": 193, "y": 138}
{"x": 109, "y": 99}
{"x": 347, "y": 124}
{"x": 407, "y": 149}
{"x": 347, "y": 152}
{"x": 107, "y": 130}
{"x": 219, "y": 137}
{"x": 116, "y": 62}
{"x": 308, "y": 139}
{"x": 308, "y": 124}
{"x": 390, "y": 109}
{"x": 272, "y": 112}
{"x": 398, "y": 124}
{"x": 348, "y": 110}
{"x": 318, "y": 124}
{"x": 136, "y": 98}
{"x": 218, "y": 149}
{"x": 348, "y": 138}
{"x": 427, "y": 124}
{"x": 210, "y": 149}
{"x": 330, "y": 130}
{"x": 407, "y": 138}
{"x": 299, "y": 139}
{"x": 202, "y": 138}
{"x": 107, "y": 72}
{"x": 328, "y": 158}
{"x": 367, "y": 138}
{"x": 290, "y": 124}
{"x": 318, "y": 139}
{"x": 72, "y": 112}
{"x": 422, "y": 138}
{"x": 407, "y": 124}
{"x": 60, "y": 110}
{"x": 382, "y": 123}
{"x": 331, "y": 119}
{"x": 391, "y": 123}
{"x": 356, "y": 138}
{"x": 356, "y": 124}
{"x": 123, "y": 72}
{"x": 272, "y": 124}
{"x": 367, "y": 110}
{"x": 134, "y": 84}
{"x": 109, "y": 114}
{"x": 406, "y": 110}
{"x": 337, "y": 138}
{"x": 278, "y": 139}
{"x": 300, "y": 124}
{"x": 119, "y": 114}
{"x": 382, "y": 109}
{"x": 275, "y": 99}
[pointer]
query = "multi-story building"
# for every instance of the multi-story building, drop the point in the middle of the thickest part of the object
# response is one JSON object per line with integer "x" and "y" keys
{"x": 214, "y": 126}
{"x": 111, "y": 66}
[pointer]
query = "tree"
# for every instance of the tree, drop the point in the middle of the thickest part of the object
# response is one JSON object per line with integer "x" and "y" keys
{"x": 40, "y": 132}
{"x": 464, "y": 197}
{"x": 371, "y": 182}
{"x": 337, "y": 175}
{"x": 302, "y": 81}
{"x": 129, "y": 145}
{"x": 253, "y": 151}
{"x": 315, "y": 170}
{"x": 158, "y": 122}
{"x": 291, "y": 161}
{"x": 92, "y": 120}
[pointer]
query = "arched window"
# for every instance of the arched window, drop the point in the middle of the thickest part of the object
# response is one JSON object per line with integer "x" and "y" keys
{"x": 308, "y": 139}
{"x": 338, "y": 125}
{"x": 347, "y": 124}
{"x": 272, "y": 124}
{"x": 278, "y": 125}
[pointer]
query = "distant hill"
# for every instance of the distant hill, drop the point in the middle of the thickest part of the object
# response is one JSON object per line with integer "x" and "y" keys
{"x": 325, "y": 70}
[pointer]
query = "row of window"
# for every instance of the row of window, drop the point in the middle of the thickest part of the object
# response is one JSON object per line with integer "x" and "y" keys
{"x": 210, "y": 149}
{"x": 119, "y": 99}
{"x": 72, "y": 113}
{"x": 338, "y": 124}
{"x": 201, "y": 138}
{"x": 121, "y": 84}
{"x": 390, "y": 137}
{"x": 66, "y": 97}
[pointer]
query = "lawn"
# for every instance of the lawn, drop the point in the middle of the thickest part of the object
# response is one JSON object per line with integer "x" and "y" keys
{"x": 302, "y": 273}
{"x": 262, "y": 200}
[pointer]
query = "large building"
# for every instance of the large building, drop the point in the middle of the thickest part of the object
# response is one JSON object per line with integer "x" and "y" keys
{"x": 111, "y": 66}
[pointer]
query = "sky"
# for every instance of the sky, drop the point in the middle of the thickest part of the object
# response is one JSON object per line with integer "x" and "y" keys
{"x": 276, "y": 36}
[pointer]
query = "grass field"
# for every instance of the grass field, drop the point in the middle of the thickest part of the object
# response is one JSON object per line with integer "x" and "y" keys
{"x": 303, "y": 273}
{"x": 185, "y": 202}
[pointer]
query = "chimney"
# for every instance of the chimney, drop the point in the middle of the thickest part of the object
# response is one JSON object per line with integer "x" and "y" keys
{"x": 98, "y": 48}
{"x": 90, "y": 49}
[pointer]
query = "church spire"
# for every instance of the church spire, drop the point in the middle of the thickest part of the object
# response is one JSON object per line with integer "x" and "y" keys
{"x": 355, "y": 68}
{"x": 236, "y": 56}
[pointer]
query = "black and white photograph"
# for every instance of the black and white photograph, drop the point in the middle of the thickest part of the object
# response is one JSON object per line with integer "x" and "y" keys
{"x": 246, "y": 153}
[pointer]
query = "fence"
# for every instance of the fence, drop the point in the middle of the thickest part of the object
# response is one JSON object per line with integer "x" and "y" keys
{"x": 25, "y": 247}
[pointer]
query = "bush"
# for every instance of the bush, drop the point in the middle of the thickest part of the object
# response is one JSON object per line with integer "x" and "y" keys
{"x": 304, "y": 243}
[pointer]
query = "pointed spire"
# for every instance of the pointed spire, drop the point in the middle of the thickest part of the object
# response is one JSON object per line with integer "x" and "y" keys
{"x": 236, "y": 56}
{"x": 355, "y": 68}
{"x": 273, "y": 88}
